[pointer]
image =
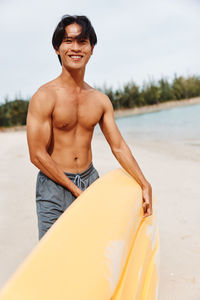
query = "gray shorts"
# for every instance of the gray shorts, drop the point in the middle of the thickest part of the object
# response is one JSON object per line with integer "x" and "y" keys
{"x": 52, "y": 199}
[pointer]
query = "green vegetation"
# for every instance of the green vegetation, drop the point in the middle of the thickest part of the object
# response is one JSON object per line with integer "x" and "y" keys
{"x": 131, "y": 95}
{"x": 14, "y": 112}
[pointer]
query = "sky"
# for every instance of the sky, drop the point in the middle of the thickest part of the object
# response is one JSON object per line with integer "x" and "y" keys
{"x": 137, "y": 41}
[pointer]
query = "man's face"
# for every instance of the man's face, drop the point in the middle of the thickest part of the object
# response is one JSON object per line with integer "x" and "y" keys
{"x": 74, "y": 53}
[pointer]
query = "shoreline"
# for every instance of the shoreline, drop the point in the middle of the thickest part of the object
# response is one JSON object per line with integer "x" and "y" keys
{"x": 155, "y": 107}
{"x": 130, "y": 111}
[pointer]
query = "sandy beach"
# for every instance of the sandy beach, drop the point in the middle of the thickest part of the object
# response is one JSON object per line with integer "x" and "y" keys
{"x": 171, "y": 168}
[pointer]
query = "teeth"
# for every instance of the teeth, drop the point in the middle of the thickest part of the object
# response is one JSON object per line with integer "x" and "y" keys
{"x": 76, "y": 56}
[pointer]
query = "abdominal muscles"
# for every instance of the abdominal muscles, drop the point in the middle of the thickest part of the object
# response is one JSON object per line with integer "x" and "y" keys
{"x": 70, "y": 148}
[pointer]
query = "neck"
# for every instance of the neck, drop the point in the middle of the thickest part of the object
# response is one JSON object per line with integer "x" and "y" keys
{"x": 73, "y": 78}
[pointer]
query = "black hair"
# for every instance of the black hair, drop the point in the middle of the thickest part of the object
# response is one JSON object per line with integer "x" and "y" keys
{"x": 83, "y": 21}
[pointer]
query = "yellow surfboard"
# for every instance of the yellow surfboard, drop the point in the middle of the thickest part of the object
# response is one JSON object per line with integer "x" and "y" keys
{"x": 101, "y": 248}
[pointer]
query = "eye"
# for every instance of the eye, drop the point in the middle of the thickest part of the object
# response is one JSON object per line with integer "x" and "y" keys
{"x": 68, "y": 41}
{"x": 83, "y": 41}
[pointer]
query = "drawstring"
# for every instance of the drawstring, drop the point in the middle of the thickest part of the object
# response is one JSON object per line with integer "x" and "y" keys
{"x": 79, "y": 181}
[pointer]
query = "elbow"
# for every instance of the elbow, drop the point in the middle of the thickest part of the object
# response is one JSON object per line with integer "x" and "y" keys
{"x": 116, "y": 150}
{"x": 119, "y": 149}
{"x": 36, "y": 158}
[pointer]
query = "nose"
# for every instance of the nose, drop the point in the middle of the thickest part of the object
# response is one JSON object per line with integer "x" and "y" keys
{"x": 75, "y": 46}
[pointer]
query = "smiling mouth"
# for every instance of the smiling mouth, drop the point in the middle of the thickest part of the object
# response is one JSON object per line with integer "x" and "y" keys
{"x": 76, "y": 57}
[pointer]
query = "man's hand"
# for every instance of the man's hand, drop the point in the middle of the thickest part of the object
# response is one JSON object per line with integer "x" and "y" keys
{"x": 147, "y": 200}
{"x": 77, "y": 192}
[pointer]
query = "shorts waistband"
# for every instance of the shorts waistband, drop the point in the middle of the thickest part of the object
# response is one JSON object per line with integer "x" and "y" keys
{"x": 82, "y": 174}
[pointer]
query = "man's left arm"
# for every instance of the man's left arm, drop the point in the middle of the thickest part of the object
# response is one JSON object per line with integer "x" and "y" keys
{"x": 123, "y": 153}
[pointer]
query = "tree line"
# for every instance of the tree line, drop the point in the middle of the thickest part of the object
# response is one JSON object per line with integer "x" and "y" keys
{"x": 153, "y": 92}
{"x": 14, "y": 112}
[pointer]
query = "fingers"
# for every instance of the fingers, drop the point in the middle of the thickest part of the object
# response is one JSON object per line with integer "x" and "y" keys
{"x": 147, "y": 202}
{"x": 147, "y": 208}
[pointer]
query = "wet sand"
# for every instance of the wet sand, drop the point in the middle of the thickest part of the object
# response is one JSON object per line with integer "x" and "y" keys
{"x": 173, "y": 171}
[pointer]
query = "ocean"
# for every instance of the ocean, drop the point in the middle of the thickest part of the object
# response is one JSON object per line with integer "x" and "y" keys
{"x": 174, "y": 124}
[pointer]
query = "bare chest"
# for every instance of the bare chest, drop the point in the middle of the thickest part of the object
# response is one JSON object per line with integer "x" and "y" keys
{"x": 70, "y": 112}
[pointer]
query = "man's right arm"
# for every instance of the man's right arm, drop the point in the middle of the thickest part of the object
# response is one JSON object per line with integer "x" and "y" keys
{"x": 39, "y": 130}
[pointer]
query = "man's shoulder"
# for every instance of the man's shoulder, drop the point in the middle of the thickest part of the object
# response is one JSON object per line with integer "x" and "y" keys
{"x": 43, "y": 99}
{"x": 44, "y": 92}
{"x": 47, "y": 88}
{"x": 104, "y": 100}
{"x": 99, "y": 95}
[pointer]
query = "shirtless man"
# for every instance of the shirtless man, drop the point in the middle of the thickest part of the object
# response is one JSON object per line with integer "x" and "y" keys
{"x": 61, "y": 118}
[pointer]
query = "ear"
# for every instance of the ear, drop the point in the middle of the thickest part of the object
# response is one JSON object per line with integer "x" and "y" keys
{"x": 92, "y": 49}
{"x": 57, "y": 51}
